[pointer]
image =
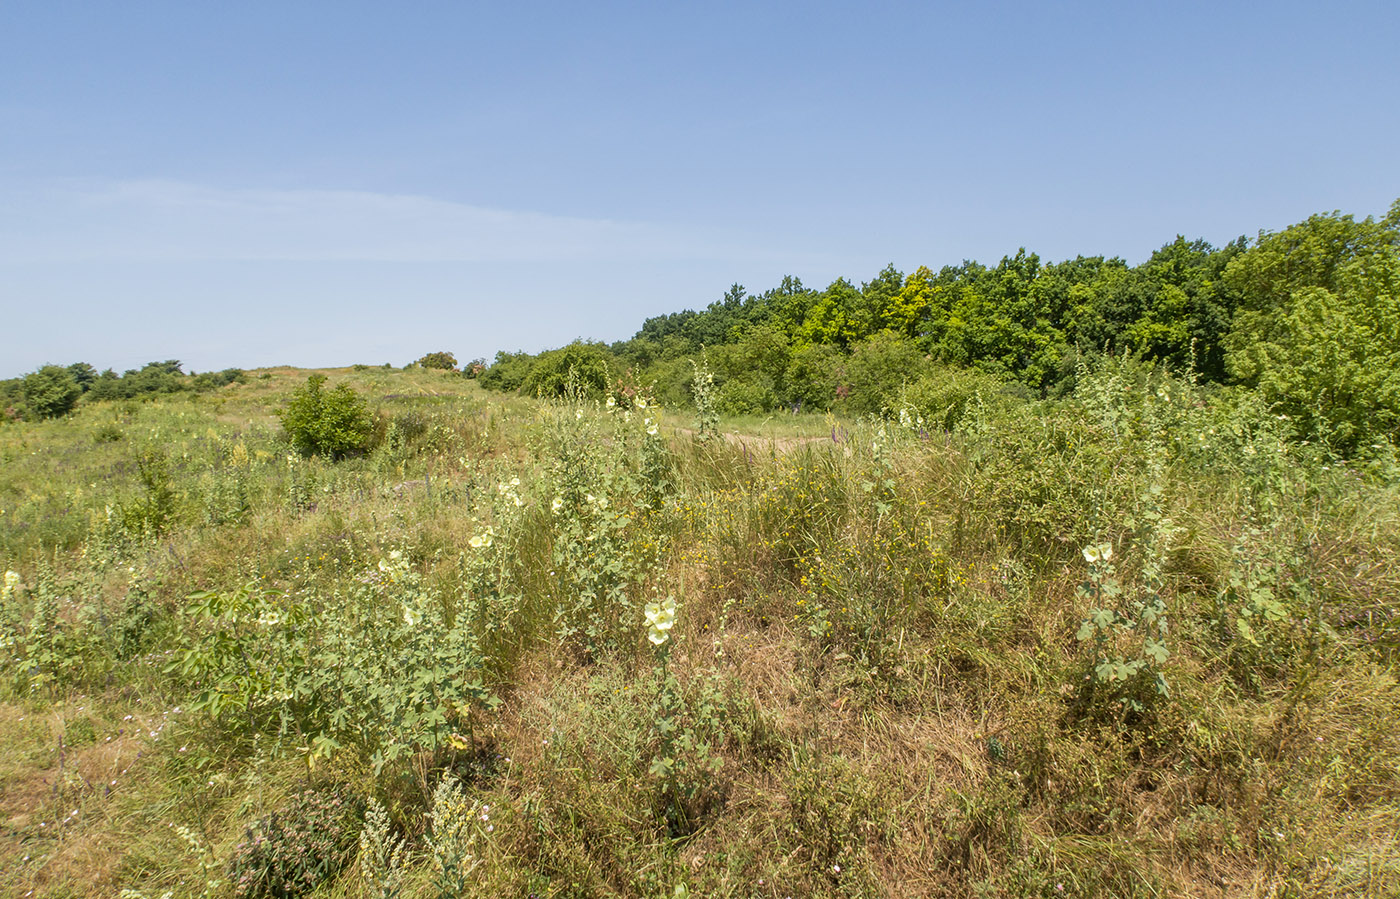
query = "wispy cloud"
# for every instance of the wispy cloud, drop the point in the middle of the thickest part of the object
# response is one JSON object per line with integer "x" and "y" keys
{"x": 154, "y": 220}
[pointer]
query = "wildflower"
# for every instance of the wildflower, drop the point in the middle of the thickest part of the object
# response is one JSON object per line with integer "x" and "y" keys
{"x": 661, "y": 616}
{"x": 651, "y": 427}
{"x": 1098, "y": 552}
{"x": 410, "y": 617}
{"x": 556, "y": 505}
{"x": 481, "y": 540}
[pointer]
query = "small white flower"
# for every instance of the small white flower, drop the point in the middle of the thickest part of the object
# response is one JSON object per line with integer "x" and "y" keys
{"x": 556, "y": 505}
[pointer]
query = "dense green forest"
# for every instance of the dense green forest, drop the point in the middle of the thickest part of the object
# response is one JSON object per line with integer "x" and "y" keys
{"x": 1309, "y": 316}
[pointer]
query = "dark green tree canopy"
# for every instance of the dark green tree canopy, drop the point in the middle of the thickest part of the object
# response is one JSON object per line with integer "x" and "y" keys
{"x": 50, "y": 392}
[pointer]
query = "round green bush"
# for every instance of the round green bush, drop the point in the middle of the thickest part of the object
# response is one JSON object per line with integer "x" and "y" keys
{"x": 51, "y": 392}
{"x": 334, "y": 423}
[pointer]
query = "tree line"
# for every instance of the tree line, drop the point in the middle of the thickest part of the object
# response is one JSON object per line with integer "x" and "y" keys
{"x": 54, "y": 390}
{"x": 1309, "y": 316}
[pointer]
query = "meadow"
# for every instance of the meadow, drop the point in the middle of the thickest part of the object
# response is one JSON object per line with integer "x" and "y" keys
{"x": 1139, "y": 640}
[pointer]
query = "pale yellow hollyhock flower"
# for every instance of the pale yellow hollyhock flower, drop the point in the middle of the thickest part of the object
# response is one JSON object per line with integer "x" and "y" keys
{"x": 661, "y": 617}
{"x": 1098, "y": 552}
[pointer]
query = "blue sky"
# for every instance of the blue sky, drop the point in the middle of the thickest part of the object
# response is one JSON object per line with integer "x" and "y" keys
{"x": 328, "y": 183}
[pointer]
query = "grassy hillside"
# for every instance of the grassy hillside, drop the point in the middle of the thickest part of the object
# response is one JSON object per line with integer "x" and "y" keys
{"x": 1137, "y": 642}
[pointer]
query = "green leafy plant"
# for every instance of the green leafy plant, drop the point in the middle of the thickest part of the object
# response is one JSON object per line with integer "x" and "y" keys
{"x": 333, "y": 423}
{"x": 1126, "y": 637}
{"x": 702, "y": 391}
{"x": 151, "y": 513}
{"x": 608, "y": 475}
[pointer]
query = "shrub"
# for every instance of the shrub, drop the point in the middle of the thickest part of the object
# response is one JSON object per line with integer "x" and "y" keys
{"x": 879, "y": 366}
{"x": 508, "y": 372}
{"x": 51, "y": 391}
{"x": 153, "y": 510}
{"x": 152, "y": 379}
{"x": 744, "y": 397}
{"x": 442, "y": 360}
{"x": 212, "y": 380}
{"x": 334, "y": 423}
{"x": 812, "y": 375}
{"x": 581, "y": 365}
{"x": 943, "y": 396}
